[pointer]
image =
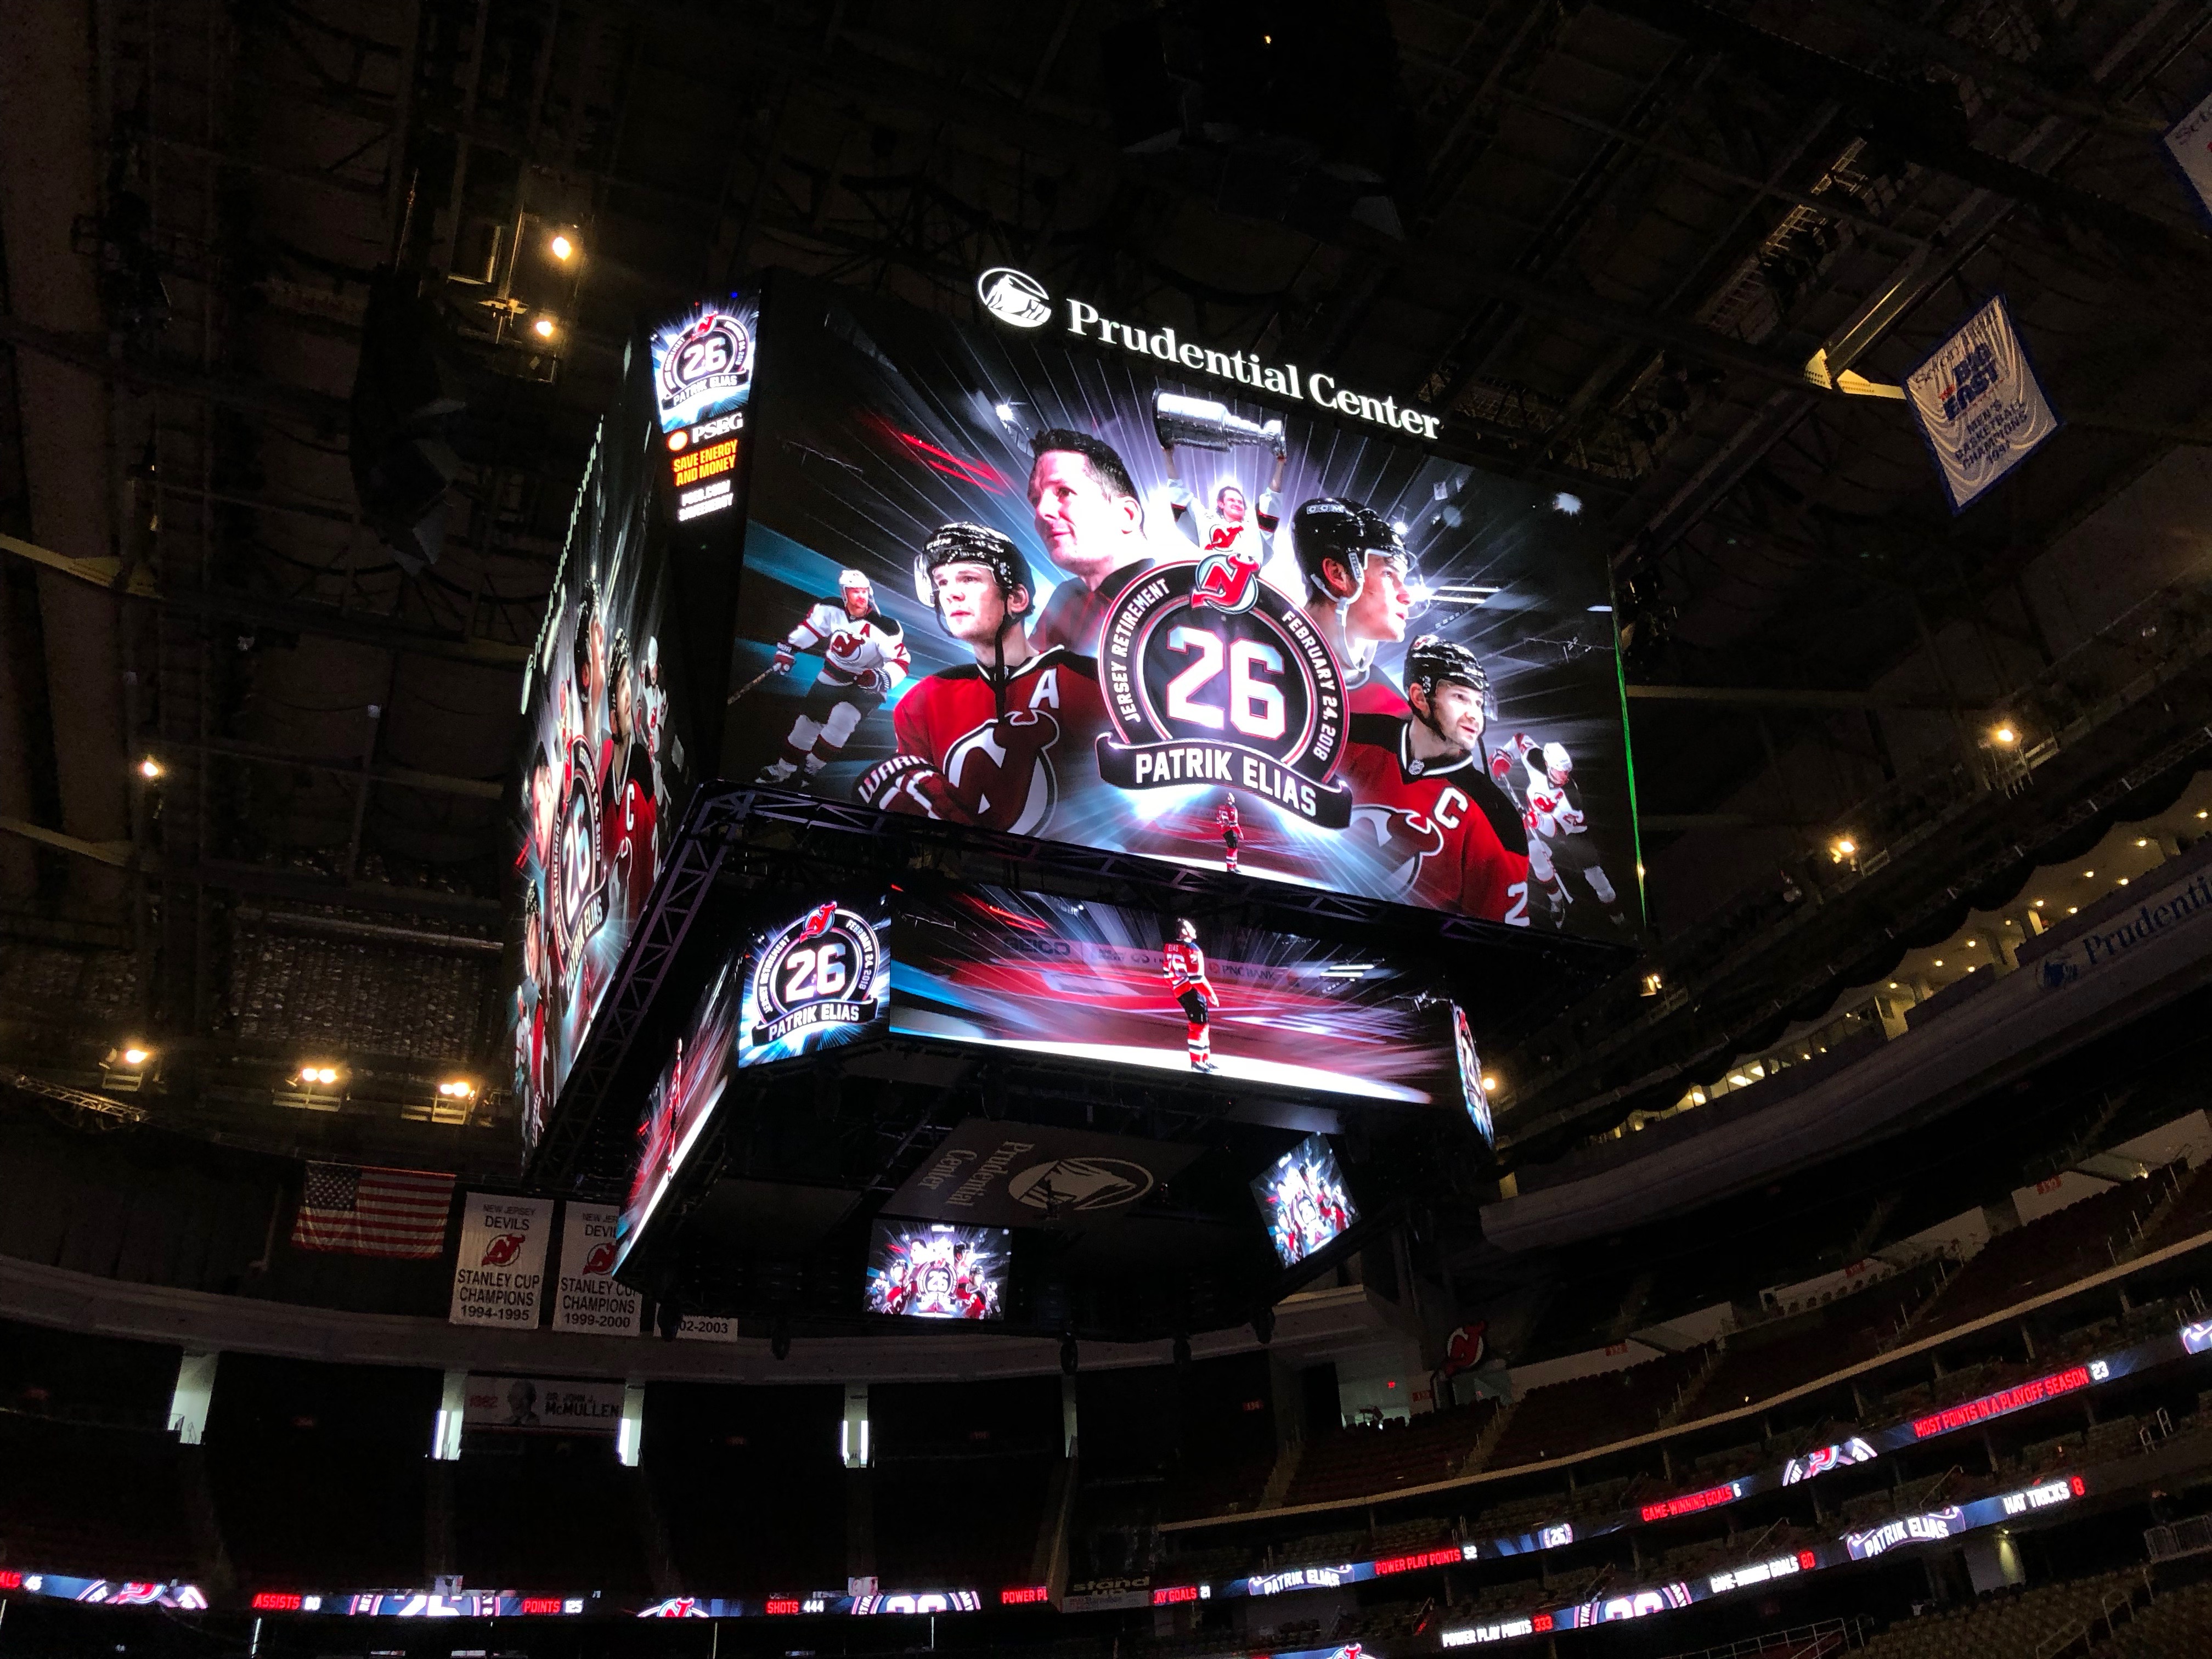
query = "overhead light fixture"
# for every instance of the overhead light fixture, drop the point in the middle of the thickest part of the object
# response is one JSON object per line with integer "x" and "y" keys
{"x": 561, "y": 247}
{"x": 2142, "y": 841}
{"x": 2088, "y": 875}
{"x": 135, "y": 1053}
{"x": 1490, "y": 1083}
{"x": 1567, "y": 502}
{"x": 1842, "y": 848}
{"x": 314, "y": 1072}
{"x": 1938, "y": 962}
{"x": 459, "y": 1088}
{"x": 150, "y": 769}
{"x": 2004, "y": 736}
{"x": 2124, "y": 881}
{"x": 544, "y": 328}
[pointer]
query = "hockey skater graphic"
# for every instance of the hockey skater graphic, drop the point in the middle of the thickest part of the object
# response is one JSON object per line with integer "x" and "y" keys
{"x": 864, "y": 659}
{"x": 1233, "y": 832}
{"x": 1425, "y": 810}
{"x": 1362, "y": 589}
{"x": 1182, "y": 964}
{"x": 1558, "y": 827}
{"x": 1003, "y": 741}
{"x": 1093, "y": 529}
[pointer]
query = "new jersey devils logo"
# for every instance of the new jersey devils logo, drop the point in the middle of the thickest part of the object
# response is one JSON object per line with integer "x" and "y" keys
{"x": 706, "y": 365}
{"x": 817, "y": 973}
{"x": 1402, "y": 836}
{"x": 503, "y": 1251}
{"x": 1464, "y": 1348}
{"x": 818, "y": 920}
{"x": 1228, "y": 582}
{"x": 1002, "y": 772}
{"x": 600, "y": 1262}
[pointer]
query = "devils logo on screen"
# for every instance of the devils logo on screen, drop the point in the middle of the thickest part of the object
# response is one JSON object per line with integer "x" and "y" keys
{"x": 815, "y": 973}
{"x": 1212, "y": 677}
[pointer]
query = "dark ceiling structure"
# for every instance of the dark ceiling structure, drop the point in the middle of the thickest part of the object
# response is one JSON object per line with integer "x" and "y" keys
{"x": 1662, "y": 255}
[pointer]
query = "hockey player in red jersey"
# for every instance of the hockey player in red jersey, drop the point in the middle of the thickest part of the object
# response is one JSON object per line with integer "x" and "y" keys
{"x": 1233, "y": 832}
{"x": 1362, "y": 589}
{"x": 1004, "y": 741}
{"x": 628, "y": 811}
{"x": 864, "y": 658}
{"x": 1425, "y": 810}
{"x": 1182, "y": 964}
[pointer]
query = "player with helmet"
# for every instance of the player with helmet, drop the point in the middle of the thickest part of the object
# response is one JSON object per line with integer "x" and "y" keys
{"x": 1557, "y": 827}
{"x": 1362, "y": 588}
{"x": 864, "y": 658}
{"x": 1182, "y": 964}
{"x": 1233, "y": 832}
{"x": 1001, "y": 742}
{"x": 1425, "y": 811}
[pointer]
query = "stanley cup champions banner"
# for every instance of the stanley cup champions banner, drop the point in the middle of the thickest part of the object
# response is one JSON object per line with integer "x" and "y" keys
{"x": 1979, "y": 405}
{"x": 1059, "y": 576}
{"x": 499, "y": 1270}
{"x": 587, "y": 1298}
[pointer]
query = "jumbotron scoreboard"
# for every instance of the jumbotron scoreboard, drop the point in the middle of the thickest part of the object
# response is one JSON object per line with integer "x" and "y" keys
{"x": 1032, "y": 824}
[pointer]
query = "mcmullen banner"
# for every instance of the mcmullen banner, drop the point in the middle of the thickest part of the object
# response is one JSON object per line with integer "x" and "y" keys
{"x": 530, "y": 1405}
{"x": 498, "y": 1267}
{"x": 1061, "y": 576}
{"x": 588, "y": 1298}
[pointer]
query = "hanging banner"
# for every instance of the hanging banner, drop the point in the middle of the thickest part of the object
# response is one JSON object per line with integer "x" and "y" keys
{"x": 2188, "y": 141}
{"x": 586, "y": 1297}
{"x": 1979, "y": 405}
{"x": 707, "y": 1327}
{"x": 499, "y": 1271}
{"x": 535, "y": 1404}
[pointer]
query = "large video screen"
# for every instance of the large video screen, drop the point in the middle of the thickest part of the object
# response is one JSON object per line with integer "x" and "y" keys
{"x": 683, "y": 1099}
{"x": 1060, "y": 577}
{"x": 934, "y": 1270}
{"x": 612, "y": 730}
{"x": 816, "y": 977}
{"x": 1137, "y": 987}
{"x": 1302, "y": 1199}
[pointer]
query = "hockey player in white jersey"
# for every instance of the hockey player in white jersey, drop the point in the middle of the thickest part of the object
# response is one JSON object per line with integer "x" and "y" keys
{"x": 864, "y": 658}
{"x": 1558, "y": 828}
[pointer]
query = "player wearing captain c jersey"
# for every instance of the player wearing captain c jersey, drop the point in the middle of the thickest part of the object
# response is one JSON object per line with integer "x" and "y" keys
{"x": 1436, "y": 830}
{"x": 864, "y": 658}
{"x": 1002, "y": 741}
{"x": 1182, "y": 964}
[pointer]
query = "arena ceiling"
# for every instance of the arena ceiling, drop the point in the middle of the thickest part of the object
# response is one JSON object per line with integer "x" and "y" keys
{"x": 1633, "y": 246}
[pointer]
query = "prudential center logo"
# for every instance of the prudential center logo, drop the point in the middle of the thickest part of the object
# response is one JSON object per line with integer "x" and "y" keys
{"x": 1014, "y": 297}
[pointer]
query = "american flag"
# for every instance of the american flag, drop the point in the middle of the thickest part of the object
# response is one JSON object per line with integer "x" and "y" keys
{"x": 389, "y": 1212}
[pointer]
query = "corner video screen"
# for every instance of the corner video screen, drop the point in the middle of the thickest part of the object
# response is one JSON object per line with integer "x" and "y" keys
{"x": 1091, "y": 982}
{"x": 609, "y": 739}
{"x": 933, "y": 1270}
{"x": 683, "y": 1100}
{"x": 1303, "y": 1201}
{"x": 1035, "y": 578}
{"x": 1474, "y": 1093}
{"x": 816, "y": 977}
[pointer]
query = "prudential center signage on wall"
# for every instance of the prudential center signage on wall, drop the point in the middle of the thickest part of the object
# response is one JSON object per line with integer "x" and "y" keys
{"x": 1019, "y": 300}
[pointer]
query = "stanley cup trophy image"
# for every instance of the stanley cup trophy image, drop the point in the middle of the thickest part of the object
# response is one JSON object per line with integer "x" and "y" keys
{"x": 1235, "y": 537}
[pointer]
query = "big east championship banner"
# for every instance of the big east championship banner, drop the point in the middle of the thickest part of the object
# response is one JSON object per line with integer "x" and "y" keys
{"x": 1979, "y": 405}
{"x": 586, "y": 1297}
{"x": 499, "y": 1269}
{"x": 1059, "y": 576}
{"x": 609, "y": 734}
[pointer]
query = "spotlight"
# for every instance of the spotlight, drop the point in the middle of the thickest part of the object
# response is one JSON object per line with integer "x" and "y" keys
{"x": 1566, "y": 503}
{"x": 459, "y": 1088}
{"x": 315, "y": 1073}
{"x": 544, "y": 328}
{"x": 560, "y": 248}
{"x": 1490, "y": 1083}
{"x": 1651, "y": 983}
{"x": 150, "y": 769}
{"x": 2004, "y": 736}
{"x": 1843, "y": 847}
{"x": 135, "y": 1056}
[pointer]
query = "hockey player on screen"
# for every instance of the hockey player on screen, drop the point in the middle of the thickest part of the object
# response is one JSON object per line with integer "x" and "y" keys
{"x": 1232, "y": 832}
{"x": 1001, "y": 742}
{"x": 1092, "y": 526}
{"x": 1234, "y": 540}
{"x": 864, "y": 658}
{"x": 1362, "y": 588}
{"x": 629, "y": 812}
{"x": 1558, "y": 827}
{"x": 1182, "y": 964}
{"x": 1424, "y": 809}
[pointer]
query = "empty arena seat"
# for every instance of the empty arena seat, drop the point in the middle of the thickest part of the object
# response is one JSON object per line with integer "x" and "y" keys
{"x": 1353, "y": 1463}
{"x": 2043, "y": 1255}
{"x": 102, "y": 1502}
{"x": 1564, "y": 1418}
